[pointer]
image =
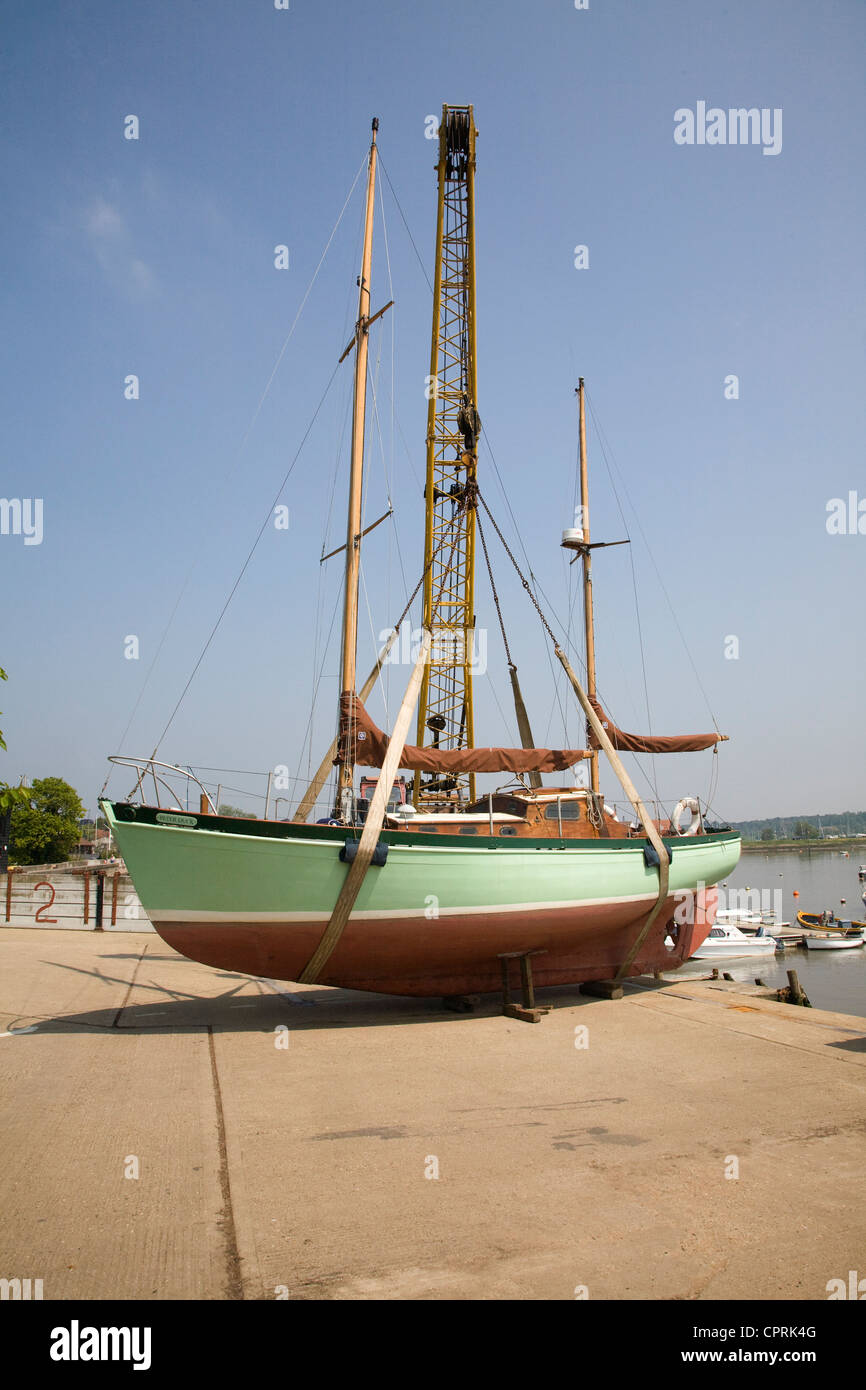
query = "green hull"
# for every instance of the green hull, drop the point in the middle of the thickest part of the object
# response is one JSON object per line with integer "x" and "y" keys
{"x": 256, "y": 896}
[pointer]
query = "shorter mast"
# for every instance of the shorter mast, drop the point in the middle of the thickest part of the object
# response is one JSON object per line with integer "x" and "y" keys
{"x": 348, "y": 675}
{"x": 586, "y": 554}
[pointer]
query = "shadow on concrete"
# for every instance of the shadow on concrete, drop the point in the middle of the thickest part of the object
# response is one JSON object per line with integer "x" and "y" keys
{"x": 263, "y": 1007}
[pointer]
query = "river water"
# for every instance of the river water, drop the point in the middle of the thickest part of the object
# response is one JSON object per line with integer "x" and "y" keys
{"x": 822, "y": 877}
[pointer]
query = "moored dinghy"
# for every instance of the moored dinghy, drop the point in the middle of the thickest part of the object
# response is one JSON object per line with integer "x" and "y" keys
{"x": 834, "y": 941}
{"x": 824, "y": 931}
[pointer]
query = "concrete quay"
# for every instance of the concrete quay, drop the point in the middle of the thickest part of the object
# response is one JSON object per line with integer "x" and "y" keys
{"x": 178, "y": 1132}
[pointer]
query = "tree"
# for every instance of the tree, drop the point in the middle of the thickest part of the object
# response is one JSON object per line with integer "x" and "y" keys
{"x": 9, "y": 796}
{"x": 45, "y": 827}
{"x": 768, "y": 833}
{"x": 804, "y": 831}
{"x": 226, "y": 810}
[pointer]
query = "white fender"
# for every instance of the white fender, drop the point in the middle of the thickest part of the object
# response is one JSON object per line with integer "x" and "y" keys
{"x": 688, "y": 803}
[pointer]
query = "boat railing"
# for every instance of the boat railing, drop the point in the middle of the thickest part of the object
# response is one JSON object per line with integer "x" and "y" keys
{"x": 146, "y": 769}
{"x": 161, "y": 778}
{"x": 624, "y": 810}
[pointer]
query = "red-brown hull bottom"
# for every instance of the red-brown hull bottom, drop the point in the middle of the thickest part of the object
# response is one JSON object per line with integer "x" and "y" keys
{"x": 453, "y": 954}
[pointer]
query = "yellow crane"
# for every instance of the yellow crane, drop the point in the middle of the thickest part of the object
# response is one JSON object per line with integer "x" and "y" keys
{"x": 445, "y": 718}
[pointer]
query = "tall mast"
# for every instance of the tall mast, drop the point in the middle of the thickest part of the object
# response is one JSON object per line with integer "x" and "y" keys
{"x": 586, "y": 555}
{"x": 353, "y": 527}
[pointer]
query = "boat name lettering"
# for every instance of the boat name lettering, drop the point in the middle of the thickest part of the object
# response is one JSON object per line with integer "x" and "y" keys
{"x": 168, "y": 818}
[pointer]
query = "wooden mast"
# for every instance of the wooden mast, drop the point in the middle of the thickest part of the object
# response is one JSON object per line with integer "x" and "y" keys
{"x": 586, "y": 555}
{"x": 353, "y": 528}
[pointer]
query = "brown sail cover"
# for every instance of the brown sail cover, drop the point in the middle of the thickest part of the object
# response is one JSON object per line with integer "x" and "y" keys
{"x": 637, "y": 743}
{"x": 361, "y": 742}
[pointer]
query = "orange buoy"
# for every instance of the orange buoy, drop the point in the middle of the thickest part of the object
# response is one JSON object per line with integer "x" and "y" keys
{"x": 796, "y": 894}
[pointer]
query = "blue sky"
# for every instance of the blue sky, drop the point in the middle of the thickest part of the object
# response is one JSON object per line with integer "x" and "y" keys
{"x": 155, "y": 257}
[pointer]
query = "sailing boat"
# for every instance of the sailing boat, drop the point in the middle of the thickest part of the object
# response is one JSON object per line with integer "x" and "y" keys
{"x": 424, "y": 898}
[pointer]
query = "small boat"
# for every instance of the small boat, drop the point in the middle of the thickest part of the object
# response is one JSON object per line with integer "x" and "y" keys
{"x": 828, "y": 924}
{"x": 861, "y": 873}
{"x": 748, "y": 922}
{"x": 833, "y": 941}
{"x": 728, "y": 940}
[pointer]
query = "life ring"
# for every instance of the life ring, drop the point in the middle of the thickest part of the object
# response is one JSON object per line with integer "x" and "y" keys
{"x": 688, "y": 803}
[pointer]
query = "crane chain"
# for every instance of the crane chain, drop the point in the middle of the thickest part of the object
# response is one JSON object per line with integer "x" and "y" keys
{"x": 523, "y": 580}
{"x": 511, "y": 665}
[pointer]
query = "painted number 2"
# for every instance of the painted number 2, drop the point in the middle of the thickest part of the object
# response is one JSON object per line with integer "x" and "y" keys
{"x": 45, "y": 906}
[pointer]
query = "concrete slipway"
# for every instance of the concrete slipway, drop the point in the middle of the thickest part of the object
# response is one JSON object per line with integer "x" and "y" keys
{"x": 300, "y": 1170}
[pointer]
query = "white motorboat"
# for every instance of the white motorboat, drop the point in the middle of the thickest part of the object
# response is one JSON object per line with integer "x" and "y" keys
{"x": 833, "y": 941}
{"x": 725, "y": 940}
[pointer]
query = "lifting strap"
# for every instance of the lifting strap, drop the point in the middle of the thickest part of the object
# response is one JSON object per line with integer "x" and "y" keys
{"x": 630, "y": 790}
{"x": 372, "y": 826}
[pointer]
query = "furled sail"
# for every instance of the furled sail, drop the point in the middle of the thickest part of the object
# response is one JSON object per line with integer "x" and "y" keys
{"x": 363, "y": 743}
{"x": 639, "y": 743}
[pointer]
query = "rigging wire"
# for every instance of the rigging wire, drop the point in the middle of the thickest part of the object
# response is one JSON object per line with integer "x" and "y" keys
{"x": 326, "y": 535}
{"x": 246, "y": 563}
{"x": 308, "y": 731}
{"x": 232, "y": 771}
{"x": 534, "y": 583}
{"x": 406, "y": 225}
{"x": 512, "y": 737}
{"x": 393, "y": 531}
{"x": 307, "y": 293}
{"x": 372, "y": 382}
{"x": 241, "y": 447}
{"x": 389, "y": 478}
{"x": 148, "y": 675}
{"x": 393, "y": 534}
{"x": 559, "y": 676}
{"x": 508, "y": 657}
{"x": 535, "y": 603}
{"x": 659, "y": 577}
{"x": 654, "y": 775}
{"x": 320, "y": 592}
{"x": 533, "y": 579}
{"x": 414, "y": 594}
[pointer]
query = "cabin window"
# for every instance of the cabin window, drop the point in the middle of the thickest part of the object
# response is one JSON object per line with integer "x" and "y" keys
{"x": 508, "y": 830}
{"x": 469, "y": 830}
{"x": 428, "y": 829}
{"x": 571, "y": 810}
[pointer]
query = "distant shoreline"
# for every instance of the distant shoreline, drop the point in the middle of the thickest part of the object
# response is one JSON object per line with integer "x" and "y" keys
{"x": 845, "y": 842}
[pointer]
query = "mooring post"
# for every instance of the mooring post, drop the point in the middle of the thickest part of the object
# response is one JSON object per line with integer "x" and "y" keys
{"x": 100, "y": 898}
{"x": 798, "y": 995}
